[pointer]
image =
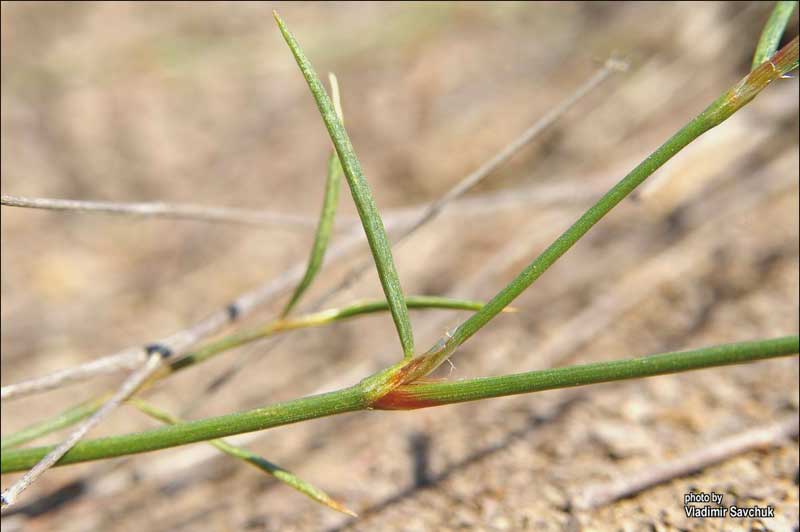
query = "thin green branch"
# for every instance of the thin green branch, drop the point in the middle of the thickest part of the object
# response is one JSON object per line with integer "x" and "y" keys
{"x": 346, "y": 400}
{"x": 315, "y": 319}
{"x": 716, "y": 113}
{"x": 287, "y": 477}
{"x": 425, "y": 394}
{"x": 326, "y": 218}
{"x": 362, "y": 197}
{"x": 773, "y": 31}
{"x": 358, "y": 398}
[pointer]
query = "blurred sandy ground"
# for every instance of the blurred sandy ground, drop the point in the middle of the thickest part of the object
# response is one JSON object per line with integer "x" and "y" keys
{"x": 203, "y": 103}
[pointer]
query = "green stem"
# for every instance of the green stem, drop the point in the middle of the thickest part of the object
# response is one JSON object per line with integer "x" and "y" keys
{"x": 410, "y": 396}
{"x": 773, "y": 31}
{"x": 716, "y": 113}
{"x": 252, "y": 458}
{"x": 315, "y": 406}
{"x": 425, "y": 394}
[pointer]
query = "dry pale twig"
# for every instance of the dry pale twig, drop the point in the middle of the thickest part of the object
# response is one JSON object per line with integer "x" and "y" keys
{"x": 165, "y": 210}
{"x": 478, "y": 205}
{"x": 130, "y": 385}
{"x": 126, "y": 359}
{"x": 767, "y": 436}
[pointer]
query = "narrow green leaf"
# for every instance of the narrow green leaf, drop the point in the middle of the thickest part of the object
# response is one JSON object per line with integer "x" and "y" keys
{"x": 367, "y": 211}
{"x": 315, "y": 319}
{"x": 773, "y": 31}
{"x": 64, "y": 419}
{"x": 370, "y": 306}
{"x": 251, "y": 458}
{"x": 325, "y": 226}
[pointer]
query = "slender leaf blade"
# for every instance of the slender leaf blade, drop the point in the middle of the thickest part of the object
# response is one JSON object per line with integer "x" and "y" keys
{"x": 252, "y": 458}
{"x": 326, "y": 218}
{"x": 773, "y": 31}
{"x": 367, "y": 211}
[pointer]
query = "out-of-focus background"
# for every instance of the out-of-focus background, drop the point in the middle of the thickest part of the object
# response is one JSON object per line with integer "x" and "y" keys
{"x": 203, "y": 104}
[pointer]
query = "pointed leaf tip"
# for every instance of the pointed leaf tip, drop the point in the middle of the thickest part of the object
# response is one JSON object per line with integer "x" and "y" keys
{"x": 362, "y": 196}
{"x": 339, "y": 507}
